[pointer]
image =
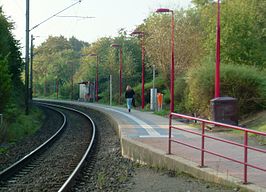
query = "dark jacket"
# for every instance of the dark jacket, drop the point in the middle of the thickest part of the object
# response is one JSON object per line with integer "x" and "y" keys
{"x": 129, "y": 93}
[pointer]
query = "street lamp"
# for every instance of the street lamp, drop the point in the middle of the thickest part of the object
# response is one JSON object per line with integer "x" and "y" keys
{"x": 141, "y": 34}
{"x": 217, "y": 67}
{"x": 163, "y": 10}
{"x": 96, "y": 84}
{"x": 120, "y": 48}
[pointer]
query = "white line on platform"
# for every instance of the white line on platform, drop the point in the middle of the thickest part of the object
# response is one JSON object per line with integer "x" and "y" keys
{"x": 150, "y": 130}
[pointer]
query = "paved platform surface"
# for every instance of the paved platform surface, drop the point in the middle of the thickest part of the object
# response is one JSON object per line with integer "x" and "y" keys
{"x": 144, "y": 138}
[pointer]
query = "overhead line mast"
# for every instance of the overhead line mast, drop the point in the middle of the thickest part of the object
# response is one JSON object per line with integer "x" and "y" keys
{"x": 27, "y": 48}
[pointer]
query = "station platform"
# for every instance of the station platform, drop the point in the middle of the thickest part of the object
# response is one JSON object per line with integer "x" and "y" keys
{"x": 144, "y": 138}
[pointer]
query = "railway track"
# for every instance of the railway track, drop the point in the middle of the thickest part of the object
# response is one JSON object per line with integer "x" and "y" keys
{"x": 55, "y": 164}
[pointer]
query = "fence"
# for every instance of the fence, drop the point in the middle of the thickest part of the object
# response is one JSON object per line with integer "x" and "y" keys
{"x": 246, "y": 147}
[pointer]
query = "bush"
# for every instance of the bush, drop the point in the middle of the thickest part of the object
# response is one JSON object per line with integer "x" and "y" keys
{"x": 180, "y": 93}
{"x": 25, "y": 125}
{"x": 5, "y": 84}
{"x": 247, "y": 84}
{"x": 159, "y": 84}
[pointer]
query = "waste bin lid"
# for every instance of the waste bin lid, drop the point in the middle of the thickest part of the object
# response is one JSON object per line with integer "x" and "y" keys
{"x": 223, "y": 99}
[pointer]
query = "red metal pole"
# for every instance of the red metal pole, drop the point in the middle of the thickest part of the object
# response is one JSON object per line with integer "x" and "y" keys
{"x": 170, "y": 133}
{"x": 245, "y": 156}
{"x": 172, "y": 66}
{"x": 217, "y": 68}
{"x": 97, "y": 63}
{"x": 120, "y": 74}
{"x": 202, "y": 143}
{"x": 143, "y": 72}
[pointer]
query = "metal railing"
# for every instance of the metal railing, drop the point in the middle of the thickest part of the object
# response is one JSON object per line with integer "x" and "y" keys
{"x": 246, "y": 147}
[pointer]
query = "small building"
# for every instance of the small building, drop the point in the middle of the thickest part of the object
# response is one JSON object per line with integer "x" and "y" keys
{"x": 87, "y": 91}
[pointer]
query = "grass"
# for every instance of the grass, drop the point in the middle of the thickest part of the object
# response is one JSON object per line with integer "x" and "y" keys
{"x": 25, "y": 125}
{"x": 257, "y": 121}
{"x": 22, "y": 126}
{"x": 162, "y": 113}
{"x": 101, "y": 179}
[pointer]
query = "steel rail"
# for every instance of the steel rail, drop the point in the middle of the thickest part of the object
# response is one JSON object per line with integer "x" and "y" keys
{"x": 71, "y": 179}
{"x": 8, "y": 172}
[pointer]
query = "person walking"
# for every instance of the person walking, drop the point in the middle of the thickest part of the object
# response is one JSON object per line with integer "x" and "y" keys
{"x": 129, "y": 96}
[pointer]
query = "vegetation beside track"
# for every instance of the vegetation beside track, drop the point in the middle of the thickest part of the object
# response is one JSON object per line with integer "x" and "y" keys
{"x": 20, "y": 126}
{"x": 25, "y": 125}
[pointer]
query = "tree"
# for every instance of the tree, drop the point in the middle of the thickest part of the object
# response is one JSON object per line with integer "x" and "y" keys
{"x": 188, "y": 42}
{"x": 5, "y": 84}
{"x": 76, "y": 44}
{"x": 200, "y": 3}
{"x": 10, "y": 63}
{"x": 243, "y": 26}
{"x": 55, "y": 61}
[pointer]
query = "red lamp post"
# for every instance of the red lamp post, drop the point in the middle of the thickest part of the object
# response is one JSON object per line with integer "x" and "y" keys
{"x": 163, "y": 10}
{"x": 217, "y": 67}
{"x": 141, "y": 34}
{"x": 96, "y": 83}
{"x": 120, "y": 58}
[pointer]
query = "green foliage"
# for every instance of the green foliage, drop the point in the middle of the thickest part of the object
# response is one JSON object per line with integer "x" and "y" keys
{"x": 163, "y": 112}
{"x": 76, "y": 44}
{"x": 180, "y": 93}
{"x": 9, "y": 47}
{"x": 3, "y": 150}
{"x": 247, "y": 84}
{"x": 166, "y": 96}
{"x": 109, "y": 64}
{"x": 101, "y": 179}
{"x": 24, "y": 125}
{"x": 57, "y": 60}
{"x": 187, "y": 36}
{"x": 243, "y": 35}
{"x": 10, "y": 63}
{"x": 5, "y": 84}
{"x": 159, "y": 84}
{"x": 201, "y": 2}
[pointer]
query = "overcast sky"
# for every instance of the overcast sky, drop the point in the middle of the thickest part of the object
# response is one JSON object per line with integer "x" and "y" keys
{"x": 110, "y": 16}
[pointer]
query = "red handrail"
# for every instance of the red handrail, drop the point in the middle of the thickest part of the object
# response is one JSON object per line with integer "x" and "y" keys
{"x": 203, "y": 136}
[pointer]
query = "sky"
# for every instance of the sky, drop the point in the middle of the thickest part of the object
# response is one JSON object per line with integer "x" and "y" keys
{"x": 110, "y": 16}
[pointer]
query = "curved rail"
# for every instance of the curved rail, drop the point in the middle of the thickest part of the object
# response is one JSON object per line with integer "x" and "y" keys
{"x": 6, "y": 173}
{"x": 70, "y": 181}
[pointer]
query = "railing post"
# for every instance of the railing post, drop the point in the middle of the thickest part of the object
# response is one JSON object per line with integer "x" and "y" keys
{"x": 245, "y": 156}
{"x": 202, "y": 143}
{"x": 170, "y": 133}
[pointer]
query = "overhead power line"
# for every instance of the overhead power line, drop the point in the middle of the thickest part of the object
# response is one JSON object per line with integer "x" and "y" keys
{"x": 55, "y": 15}
{"x": 73, "y": 16}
